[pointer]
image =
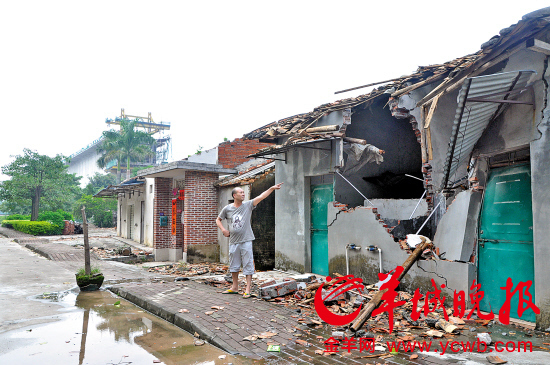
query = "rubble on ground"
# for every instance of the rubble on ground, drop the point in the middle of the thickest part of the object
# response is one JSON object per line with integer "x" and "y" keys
{"x": 106, "y": 253}
{"x": 189, "y": 270}
{"x": 297, "y": 292}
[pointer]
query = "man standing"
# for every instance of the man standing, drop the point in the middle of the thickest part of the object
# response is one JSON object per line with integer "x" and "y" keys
{"x": 241, "y": 236}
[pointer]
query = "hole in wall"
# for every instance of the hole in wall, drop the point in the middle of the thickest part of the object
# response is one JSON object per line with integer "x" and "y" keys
{"x": 397, "y": 186}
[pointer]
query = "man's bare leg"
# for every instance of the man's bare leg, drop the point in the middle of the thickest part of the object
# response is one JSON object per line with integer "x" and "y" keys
{"x": 248, "y": 283}
{"x": 235, "y": 276}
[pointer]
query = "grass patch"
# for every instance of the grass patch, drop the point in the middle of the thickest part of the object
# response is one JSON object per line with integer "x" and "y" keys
{"x": 82, "y": 272}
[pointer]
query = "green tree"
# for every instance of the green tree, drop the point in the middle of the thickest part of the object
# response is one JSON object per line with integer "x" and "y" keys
{"x": 110, "y": 150}
{"x": 137, "y": 169}
{"x": 98, "y": 210}
{"x": 125, "y": 145}
{"x": 98, "y": 182}
{"x": 38, "y": 179}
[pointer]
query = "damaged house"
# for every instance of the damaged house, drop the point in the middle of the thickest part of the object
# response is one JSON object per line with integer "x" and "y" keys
{"x": 458, "y": 152}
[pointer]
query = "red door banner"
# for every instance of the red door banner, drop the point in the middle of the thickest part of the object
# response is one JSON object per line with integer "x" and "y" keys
{"x": 174, "y": 215}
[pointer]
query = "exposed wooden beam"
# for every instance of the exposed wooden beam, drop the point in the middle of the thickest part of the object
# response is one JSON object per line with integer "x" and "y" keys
{"x": 326, "y": 128}
{"x": 538, "y": 46}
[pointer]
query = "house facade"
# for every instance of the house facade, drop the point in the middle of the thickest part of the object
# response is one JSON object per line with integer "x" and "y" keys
{"x": 173, "y": 207}
{"x": 458, "y": 152}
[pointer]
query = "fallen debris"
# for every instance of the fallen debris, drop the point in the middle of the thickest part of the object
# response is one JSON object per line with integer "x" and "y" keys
{"x": 446, "y": 326}
{"x": 278, "y": 289}
{"x": 377, "y": 299}
{"x": 495, "y": 360}
{"x": 184, "y": 270}
{"x": 297, "y": 293}
{"x": 434, "y": 333}
{"x": 106, "y": 253}
{"x": 267, "y": 334}
{"x": 485, "y": 337}
{"x": 303, "y": 343}
{"x": 198, "y": 342}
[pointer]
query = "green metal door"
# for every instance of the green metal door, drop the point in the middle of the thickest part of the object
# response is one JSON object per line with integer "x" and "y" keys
{"x": 506, "y": 238}
{"x": 321, "y": 195}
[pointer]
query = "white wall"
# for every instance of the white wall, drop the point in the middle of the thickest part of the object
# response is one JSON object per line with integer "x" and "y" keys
{"x": 147, "y": 194}
{"x": 127, "y": 201}
{"x": 208, "y": 156}
{"x": 149, "y": 200}
{"x": 85, "y": 165}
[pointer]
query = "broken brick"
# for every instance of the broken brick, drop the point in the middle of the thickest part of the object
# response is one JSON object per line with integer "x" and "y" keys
{"x": 279, "y": 289}
{"x": 328, "y": 297}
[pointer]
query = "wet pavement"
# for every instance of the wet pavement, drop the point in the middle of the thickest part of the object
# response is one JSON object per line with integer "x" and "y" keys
{"x": 99, "y": 328}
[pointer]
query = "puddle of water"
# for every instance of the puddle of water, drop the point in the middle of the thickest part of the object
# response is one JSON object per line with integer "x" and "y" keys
{"x": 99, "y": 328}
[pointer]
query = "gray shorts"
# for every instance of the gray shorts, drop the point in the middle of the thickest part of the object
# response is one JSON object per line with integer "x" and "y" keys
{"x": 241, "y": 254}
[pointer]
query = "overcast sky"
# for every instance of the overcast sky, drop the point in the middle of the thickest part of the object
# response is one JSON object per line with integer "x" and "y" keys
{"x": 213, "y": 69}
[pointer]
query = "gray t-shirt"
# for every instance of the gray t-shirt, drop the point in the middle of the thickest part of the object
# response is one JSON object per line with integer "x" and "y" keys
{"x": 238, "y": 219}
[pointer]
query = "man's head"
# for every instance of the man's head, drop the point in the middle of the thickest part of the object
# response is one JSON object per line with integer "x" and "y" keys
{"x": 238, "y": 194}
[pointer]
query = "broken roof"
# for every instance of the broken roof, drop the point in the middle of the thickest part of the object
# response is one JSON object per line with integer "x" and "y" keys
{"x": 248, "y": 176}
{"x": 450, "y": 76}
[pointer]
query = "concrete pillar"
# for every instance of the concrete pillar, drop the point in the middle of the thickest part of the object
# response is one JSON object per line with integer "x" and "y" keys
{"x": 540, "y": 185}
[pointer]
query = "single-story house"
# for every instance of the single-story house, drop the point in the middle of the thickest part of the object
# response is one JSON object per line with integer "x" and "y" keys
{"x": 151, "y": 207}
{"x": 458, "y": 152}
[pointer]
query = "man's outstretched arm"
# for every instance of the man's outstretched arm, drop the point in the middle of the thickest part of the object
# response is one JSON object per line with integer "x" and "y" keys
{"x": 266, "y": 193}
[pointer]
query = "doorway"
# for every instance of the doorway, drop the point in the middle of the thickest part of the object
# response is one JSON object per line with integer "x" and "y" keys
{"x": 506, "y": 238}
{"x": 321, "y": 195}
{"x": 142, "y": 224}
{"x": 130, "y": 221}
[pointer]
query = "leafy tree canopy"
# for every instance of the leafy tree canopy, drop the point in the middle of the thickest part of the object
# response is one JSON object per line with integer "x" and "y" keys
{"x": 98, "y": 182}
{"x": 125, "y": 145}
{"x": 98, "y": 210}
{"x": 38, "y": 182}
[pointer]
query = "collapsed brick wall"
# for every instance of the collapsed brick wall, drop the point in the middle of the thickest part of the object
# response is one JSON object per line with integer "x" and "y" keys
{"x": 402, "y": 113}
{"x": 397, "y": 229}
{"x": 393, "y": 227}
{"x": 231, "y": 154}
{"x": 200, "y": 208}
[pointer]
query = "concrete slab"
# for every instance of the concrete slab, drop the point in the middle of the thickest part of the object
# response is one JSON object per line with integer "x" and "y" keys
{"x": 278, "y": 289}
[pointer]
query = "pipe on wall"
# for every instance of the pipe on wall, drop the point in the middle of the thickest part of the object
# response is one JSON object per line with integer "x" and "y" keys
{"x": 374, "y": 248}
{"x": 350, "y": 246}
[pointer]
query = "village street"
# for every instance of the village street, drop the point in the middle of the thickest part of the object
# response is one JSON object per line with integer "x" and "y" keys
{"x": 40, "y": 291}
{"x": 215, "y": 183}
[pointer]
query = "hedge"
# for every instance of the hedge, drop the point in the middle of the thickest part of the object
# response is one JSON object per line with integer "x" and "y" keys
{"x": 36, "y": 228}
{"x": 49, "y": 223}
{"x": 56, "y": 218}
{"x": 19, "y": 217}
{"x": 8, "y": 223}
